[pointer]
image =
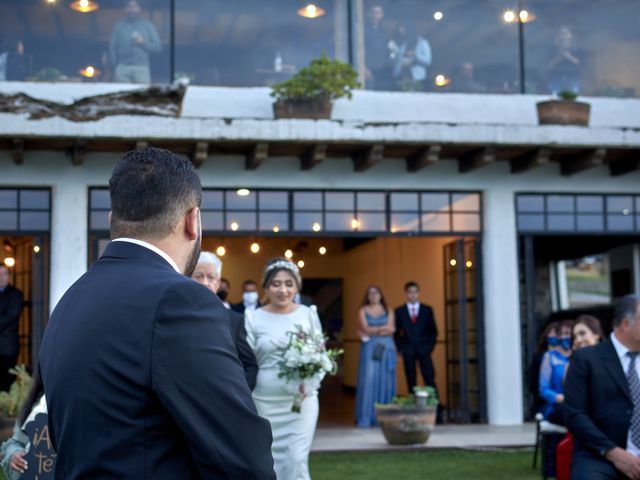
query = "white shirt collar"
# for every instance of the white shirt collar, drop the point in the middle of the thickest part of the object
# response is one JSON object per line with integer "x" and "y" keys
{"x": 414, "y": 305}
{"x": 153, "y": 248}
{"x": 621, "y": 350}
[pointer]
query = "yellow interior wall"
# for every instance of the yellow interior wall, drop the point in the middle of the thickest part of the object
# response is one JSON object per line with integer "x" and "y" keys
{"x": 387, "y": 262}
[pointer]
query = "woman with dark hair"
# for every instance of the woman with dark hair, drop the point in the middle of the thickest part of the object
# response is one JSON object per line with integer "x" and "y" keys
{"x": 587, "y": 332}
{"x": 377, "y": 372}
{"x": 14, "y": 449}
{"x": 268, "y": 333}
{"x": 552, "y": 371}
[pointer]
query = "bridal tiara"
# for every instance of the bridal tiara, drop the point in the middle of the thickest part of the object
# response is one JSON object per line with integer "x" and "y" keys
{"x": 283, "y": 264}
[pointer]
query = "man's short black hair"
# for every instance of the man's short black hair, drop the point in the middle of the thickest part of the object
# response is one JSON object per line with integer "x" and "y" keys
{"x": 626, "y": 308}
{"x": 411, "y": 284}
{"x": 151, "y": 189}
{"x": 248, "y": 282}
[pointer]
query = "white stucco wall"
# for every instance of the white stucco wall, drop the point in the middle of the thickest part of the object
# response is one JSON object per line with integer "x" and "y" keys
{"x": 501, "y": 295}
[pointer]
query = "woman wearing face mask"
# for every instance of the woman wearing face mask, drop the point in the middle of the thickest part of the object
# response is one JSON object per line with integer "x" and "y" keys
{"x": 552, "y": 370}
{"x": 268, "y": 330}
{"x": 586, "y": 332}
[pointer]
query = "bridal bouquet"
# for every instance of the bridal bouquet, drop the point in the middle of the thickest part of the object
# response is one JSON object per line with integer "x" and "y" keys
{"x": 305, "y": 362}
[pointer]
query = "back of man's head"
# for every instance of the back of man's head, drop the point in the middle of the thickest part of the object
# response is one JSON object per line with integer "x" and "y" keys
{"x": 627, "y": 308}
{"x": 151, "y": 189}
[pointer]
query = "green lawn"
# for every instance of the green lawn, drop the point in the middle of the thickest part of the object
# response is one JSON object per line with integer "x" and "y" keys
{"x": 432, "y": 464}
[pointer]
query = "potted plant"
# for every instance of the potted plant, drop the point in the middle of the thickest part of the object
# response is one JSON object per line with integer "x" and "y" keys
{"x": 11, "y": 401}
{"x": 409, "y": 420}
{"x": 564, "y": 110}
{"x": 311, "y": 91}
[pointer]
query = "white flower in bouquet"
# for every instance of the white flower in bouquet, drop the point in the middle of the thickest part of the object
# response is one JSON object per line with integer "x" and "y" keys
{"x": 305, "y": 362}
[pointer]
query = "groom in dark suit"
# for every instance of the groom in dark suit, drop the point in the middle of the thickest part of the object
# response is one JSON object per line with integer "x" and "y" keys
{"x": 602, "y": 401}
{"x": 415, "y": 336}
{"x": 141, "y": 376}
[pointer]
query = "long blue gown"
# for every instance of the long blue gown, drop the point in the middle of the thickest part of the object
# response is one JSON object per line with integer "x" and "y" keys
{"x": 376, "y": 378}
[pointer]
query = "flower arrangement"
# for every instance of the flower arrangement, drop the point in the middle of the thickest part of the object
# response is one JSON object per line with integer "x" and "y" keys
{"x": 305, "y": 362}
{"x": 11, "y": 401}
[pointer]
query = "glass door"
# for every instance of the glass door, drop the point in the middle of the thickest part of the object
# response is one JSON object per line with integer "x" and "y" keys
{"x": 464, "y": 332}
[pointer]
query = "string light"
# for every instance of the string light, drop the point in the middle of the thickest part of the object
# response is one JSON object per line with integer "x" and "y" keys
{"x": 311, "y": 11}
{"x": 469, "y": 264}
{"x": 322, "y": 250}
{"x": 316, "y": 227}
{"x": 276, "y": 229}
{"x": 243, "y": 192}
{"x": 89, "y": 72}
{"x": 288, "y": 254}
{"x": 300, "y": 263}
{"x": 437, "y": 16}
{"x": 453, "y": 262}
{"x": 9, "y": 262}
{"x": 84, "y": 6}
{"x": 234, "y": 226}
{"x": 255, "y": 248}
{"x": 36, "y": 249}
{"x": 220, "y": 251}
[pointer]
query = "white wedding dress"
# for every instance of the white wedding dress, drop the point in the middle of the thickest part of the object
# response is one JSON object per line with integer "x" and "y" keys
{"x": 292, "y": 432}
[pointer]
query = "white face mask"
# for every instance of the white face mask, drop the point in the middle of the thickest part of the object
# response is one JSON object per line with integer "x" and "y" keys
{"x": 249, "y": 298}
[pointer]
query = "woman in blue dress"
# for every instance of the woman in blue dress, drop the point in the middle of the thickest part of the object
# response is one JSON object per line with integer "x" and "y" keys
{"x": 552, "y": 371}
{"x": 377, "y": 372}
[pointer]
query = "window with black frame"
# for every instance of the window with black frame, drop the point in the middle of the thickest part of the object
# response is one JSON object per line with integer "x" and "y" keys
{"x": 85, "y": 40}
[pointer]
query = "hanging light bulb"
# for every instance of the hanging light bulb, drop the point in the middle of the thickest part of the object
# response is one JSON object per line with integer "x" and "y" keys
{"x": 288, "y": 254}
{"x": 36, "y": 249}
{"x": 316, "y": 227}
{"x": 234, "y": 226}
{"x": 243, "y": 192}
{"x": 322, "y": 250}
{"x": 255, "y": 247}
{"x": 9, "y": 262}
{"x": 84, "y": 6}
{"x": 441, "y": 80}
{"x": 437, "y": 16}
{"x": 469, "y": 264}
{"x": 300, "y": 263}
{"x": 355, "y": 224}
{"x": 276, "y": 229}
{"x": 509, "y": 16}
{"x": 220, "y": 251}
{"x": 311, "y": 11}
{"x": 453, "y": 262}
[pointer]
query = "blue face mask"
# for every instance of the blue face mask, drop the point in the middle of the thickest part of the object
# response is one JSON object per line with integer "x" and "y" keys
{"x": 553, "y": 341}
{"x": 565, "y": 342}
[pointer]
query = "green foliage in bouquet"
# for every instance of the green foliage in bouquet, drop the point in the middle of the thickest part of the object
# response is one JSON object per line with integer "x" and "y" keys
{"x": 322, "y": 79}
{"x": 11, "y": 401}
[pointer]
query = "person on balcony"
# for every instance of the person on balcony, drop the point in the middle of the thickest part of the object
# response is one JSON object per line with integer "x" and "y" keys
{"x": 132, "y": 41}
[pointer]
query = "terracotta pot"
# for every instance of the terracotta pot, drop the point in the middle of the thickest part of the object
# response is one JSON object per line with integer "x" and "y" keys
{"x": 314, "y": 109}
{"x": 563, "y": 112}
{"x": 406, "y": 425}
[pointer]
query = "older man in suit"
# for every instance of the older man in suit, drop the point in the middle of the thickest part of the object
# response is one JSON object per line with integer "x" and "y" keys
{"x": 141, "y": 375}
{"x": 207, "y": 273}
{"x": 602, "y": 401}
{"x": 415, "y": 336}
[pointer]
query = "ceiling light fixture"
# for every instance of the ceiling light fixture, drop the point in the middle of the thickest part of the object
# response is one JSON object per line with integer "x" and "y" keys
{"x": 311, "y": 11}
{"x": 84, "y": 6}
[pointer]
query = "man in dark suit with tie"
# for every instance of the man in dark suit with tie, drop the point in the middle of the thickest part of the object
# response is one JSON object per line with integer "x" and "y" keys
{"x": 10, "y": 308}
{"x": 141, "y": 376}
{"x": 415, "y": 336}
{"x": 602, "y": 401}
{"x": 207, "y": 273}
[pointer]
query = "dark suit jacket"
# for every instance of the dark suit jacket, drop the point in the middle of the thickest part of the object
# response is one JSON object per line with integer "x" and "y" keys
{"x": 239, "y": 307}
{"x": 10, "y": 307}
{"x": 417, "y": 338}
{"x": 598, "y": 404}
{"x": 247, "y": 358}
{"x": 142, "y": 378}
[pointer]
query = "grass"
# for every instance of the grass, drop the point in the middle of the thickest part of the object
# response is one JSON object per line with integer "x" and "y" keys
{"x": 446, "y": 464}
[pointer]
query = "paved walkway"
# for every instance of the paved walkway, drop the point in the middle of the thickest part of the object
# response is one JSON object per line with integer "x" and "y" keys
{"x": 443, "y": 436}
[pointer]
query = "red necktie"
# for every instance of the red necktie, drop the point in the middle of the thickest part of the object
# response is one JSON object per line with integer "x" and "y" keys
{"x": 413, "y": 314}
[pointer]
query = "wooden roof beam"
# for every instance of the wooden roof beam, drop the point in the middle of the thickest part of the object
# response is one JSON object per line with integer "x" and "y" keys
{"x": 78, "y": 153}
{"x": 582, "y": 161}
{"x": 200, "y": 154}
{"x": 368, "y": 158}
{"x": 627, "y": 163}
{"x": 530, "y": 159}
{"x": 17, "y": 150}
{"x": 477, "y": 158}
{"x": 313, "y": 156}
{"x": 424, "y": 158}
{"x": 258, "y": 154}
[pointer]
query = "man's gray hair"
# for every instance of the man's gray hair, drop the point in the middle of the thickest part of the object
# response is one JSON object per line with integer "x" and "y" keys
{"x": 627, "y": 308}
{"x": 211, "y": 258}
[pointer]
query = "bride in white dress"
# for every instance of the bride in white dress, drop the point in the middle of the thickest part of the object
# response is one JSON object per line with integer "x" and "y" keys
{"x": 267, "y": 329}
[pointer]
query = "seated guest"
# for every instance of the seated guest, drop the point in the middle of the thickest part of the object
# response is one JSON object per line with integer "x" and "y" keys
{"x": 587, "y": 332}
{"x": 533, "y": 380}
{"x": 552, "y": 371}
{"x": 249, "y": 298}
{"x": 207, "y": 273}
{"x": 603, "y": 401}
